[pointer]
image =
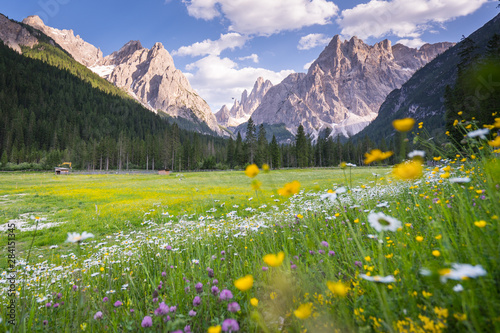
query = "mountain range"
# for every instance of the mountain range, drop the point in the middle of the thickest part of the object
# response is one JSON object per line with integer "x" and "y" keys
{"x": 344, "y": 88}
{"x": 422, "y": 96}
{"x": 149, "y": 76}
{"x": 349, "y": 86}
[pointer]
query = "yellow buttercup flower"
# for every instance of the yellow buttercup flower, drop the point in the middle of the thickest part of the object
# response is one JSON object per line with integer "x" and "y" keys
{"x": 337, "y": 288}
{"x": 343, "y": 165}
{"x": 303, "y": 311}
{"x": 497, "y": 123}
{"x": 480, "y": 224}
{"x": 408, "y": 170}
{"x": 290, "y": 188}
{"x": 254, "y": 301}
{"x": 265, "y": 167}
{"x": 419, "y": 238}
{"x": 214, "y": 329}
{"x": 377, "y": 155}
{"x": 403, "y": 125}
{"x": 274, "y": 260}
{"x": 436, "y": 253}
{"x": 445, "y": 175}
{"x": 495, "y": 143}
{"x": 252, "y": 170}
{"x": 244, "y": 283}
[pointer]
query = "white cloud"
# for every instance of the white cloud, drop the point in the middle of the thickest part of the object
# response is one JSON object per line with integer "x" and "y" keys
{"x": 413, "y": 43}
{"x": 264, "y": 17}
{"x": 306, "y": 66}
{"x": 254, "y": 57}
{"x": 219, "y": 79}
{"x": 312, "y": 40}
{"x": 214, "y": 47}
{"x": 402, "y": 18}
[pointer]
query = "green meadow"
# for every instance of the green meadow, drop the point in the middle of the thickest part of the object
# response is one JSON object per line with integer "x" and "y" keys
{"x": 108, "y": 203}
{"x": 350, "y": 250}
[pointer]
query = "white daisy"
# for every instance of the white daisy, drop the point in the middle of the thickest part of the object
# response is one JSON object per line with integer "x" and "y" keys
{"x": 381, "y": 279}
{"x": 461, "y": 271}
{"x": 416, "y": 153}
{"x": 331, "y": 196}
{"x": 459, "y": 180}
{"x": 74, "y": 237}
{"x": 381, "y": 222}
{"x": 480, "y": 133}
{"x": 458, "y": 288}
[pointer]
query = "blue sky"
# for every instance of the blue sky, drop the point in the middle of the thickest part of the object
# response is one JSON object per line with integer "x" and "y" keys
{"x": 224, "y": 45}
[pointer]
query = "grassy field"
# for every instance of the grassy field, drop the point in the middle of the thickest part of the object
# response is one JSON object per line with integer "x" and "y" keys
{"x": 104, "y": 204}
{"x": 352, "y": 250}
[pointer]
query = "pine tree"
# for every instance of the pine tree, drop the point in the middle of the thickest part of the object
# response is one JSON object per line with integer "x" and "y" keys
{"x": 230, "y": 153}
{"x": 301, "y": 152}
{"x": 261, "y": 156}
{"x": 251, "y": 141}
{"x": 275, "y": 153}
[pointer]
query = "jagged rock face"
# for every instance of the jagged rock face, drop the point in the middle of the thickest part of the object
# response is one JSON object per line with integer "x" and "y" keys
{"x": 148, "y": 75}
{"x": 243, "y": 109}
{"x": 151, "y": 77}
{"x": 344, "y": 87}
{"x": 223, "y": 116}
{"x": 15, "y": 35}
{"x": 83, "y": 52}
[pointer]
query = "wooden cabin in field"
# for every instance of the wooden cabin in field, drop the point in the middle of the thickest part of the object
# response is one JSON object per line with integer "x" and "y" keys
{"x": 61, "y": 171}
{"x": 164, "y": 172}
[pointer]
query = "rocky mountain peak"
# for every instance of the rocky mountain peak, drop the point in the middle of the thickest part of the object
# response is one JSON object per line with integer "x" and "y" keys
{"x": 15, "y": 35}
{"x": 344, "y": 87}
{"x": 122, "y": 54}
{"x": 83, "y": 52}
{"x": 242, "y": 109}
{"x": 148, "y": 75}
{"x": 34, "y": 20}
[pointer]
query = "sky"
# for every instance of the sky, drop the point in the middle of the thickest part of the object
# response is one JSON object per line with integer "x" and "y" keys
{"x": 223, "y": 46}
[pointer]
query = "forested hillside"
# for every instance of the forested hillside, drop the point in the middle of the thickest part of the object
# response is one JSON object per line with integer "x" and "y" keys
{"x": 48, "y": 115}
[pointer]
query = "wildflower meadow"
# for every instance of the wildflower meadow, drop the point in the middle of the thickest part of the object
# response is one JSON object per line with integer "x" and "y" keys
{"x": 407, "y": 248}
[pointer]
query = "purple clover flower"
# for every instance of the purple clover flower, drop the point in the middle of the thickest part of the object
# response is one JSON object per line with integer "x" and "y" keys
{"x": 45, "y": 322}
{"x": 358, "y": 263}
{"x": 98, "y": 315}
{"x": 210, "y": 272}
{"x": 321, "y": 252}
{"x": 147, "y": 321}
{"x": 117, "y": 304}
{"x": 331, "y": 253}
{"x": 105, "y": 299}
{"x": 199, "y": 287}
{"x": 230, "y": 325}
{"x": 215, "y": 281}
{"x": 226, "y": 295}
{"x": 196, "y": 301}
{"x": 214, "y": 290}
{"x": 192, "y": 313}
{"x": 233, "y": 307}
{"x": 324, "y": 243}
{"x": 265, "y": 268}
